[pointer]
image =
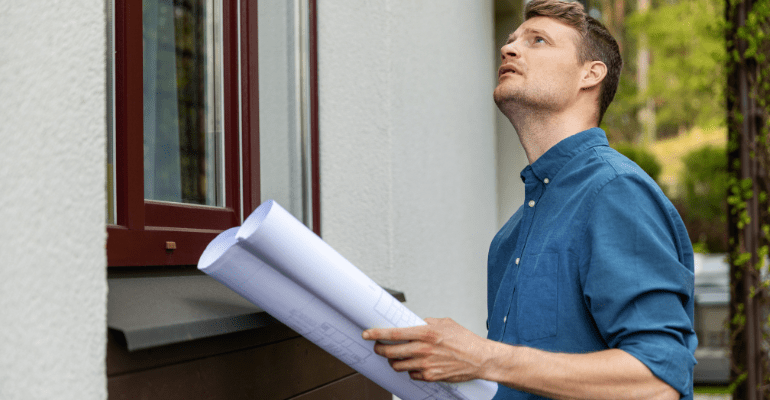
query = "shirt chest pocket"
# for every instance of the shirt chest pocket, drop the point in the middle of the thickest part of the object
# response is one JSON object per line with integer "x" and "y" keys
{"x": 538, "y": 299}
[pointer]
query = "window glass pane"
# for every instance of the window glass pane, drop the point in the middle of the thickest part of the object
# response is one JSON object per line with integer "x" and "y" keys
{"x": 283, "y": 105}
{"x": 183, "y": 129}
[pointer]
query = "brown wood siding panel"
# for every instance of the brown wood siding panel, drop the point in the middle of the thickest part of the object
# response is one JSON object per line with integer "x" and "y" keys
{"x": 275, "y": 371}
{"x": 356, "y": 387}
{"x": 121, "y": 361}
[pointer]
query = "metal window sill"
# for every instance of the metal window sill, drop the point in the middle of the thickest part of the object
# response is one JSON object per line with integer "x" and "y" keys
{"x": 149, "y": 311}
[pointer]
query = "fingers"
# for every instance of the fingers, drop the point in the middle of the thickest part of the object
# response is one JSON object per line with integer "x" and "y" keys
{"x": 417, "y": 369}
{"x": 404, "y": 357}
{"x": 401, "y": 351}
{"x": 420, "y": 371}
{"x": 425, "y": 333}
{"x": 416, "y": 375}
{"x": 394, "y": 334}
{"x": 440, "y": 350}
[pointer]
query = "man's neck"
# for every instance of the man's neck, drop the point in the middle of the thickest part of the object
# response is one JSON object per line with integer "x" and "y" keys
{"x": 539, "y": 130}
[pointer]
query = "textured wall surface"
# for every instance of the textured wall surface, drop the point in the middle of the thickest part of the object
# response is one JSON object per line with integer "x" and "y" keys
{"x": 52, "y": 235}
{"x": 408, "y": 183}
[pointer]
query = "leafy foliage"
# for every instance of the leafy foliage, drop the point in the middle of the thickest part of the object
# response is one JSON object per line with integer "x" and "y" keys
{"x": 705, "y": 181}
{"x": 748, "y": 118}
{"x": 686, "y": 71}
{"x": 686, "y": 75}
{"x": 703, "y": 206}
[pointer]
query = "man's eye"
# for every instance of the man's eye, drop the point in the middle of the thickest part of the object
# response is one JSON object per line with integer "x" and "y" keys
{"x": 538, "y": 39}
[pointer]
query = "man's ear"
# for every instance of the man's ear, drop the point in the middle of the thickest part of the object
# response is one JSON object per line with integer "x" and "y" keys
{"x": 593, "y": 74}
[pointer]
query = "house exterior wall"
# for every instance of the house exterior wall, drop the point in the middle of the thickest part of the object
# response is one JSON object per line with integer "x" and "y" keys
{"x": 52, "y": 200}
{"x": 407, "y": 137}
{"x": 408, "y": 171}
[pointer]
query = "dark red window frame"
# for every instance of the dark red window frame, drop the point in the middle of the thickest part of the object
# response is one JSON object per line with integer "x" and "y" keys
{"x": 145, "y": 231}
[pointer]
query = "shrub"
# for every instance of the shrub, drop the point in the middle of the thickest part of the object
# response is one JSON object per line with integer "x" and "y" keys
{"x": 703, "y": 205}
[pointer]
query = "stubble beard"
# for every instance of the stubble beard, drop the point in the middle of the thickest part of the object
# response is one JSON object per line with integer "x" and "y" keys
{"x": 509, "y": 98}
{"x": 526, "y": 104}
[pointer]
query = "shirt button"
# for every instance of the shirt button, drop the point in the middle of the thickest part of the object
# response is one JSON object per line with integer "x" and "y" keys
{"x": 532, "y": 203}
{"x": 505, "y": 319}
{"x": 517, "y": 261}
{"x": 546, "y": 180}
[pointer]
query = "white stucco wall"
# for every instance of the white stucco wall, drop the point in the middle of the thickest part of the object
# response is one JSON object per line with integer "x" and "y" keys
{"x": 52, "y": 235}
{"x": 407, "y": 133}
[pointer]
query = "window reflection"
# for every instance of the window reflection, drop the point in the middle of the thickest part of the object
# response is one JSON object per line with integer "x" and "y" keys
{"x": 284, "y": 106}
{"x": 182, "y": 101}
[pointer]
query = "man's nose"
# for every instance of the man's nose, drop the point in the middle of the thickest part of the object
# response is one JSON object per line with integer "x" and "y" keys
{"x": 509, "y": 50}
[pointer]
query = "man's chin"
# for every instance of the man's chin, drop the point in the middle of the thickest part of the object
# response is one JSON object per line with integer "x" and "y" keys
{"x": 503, "y": 95}
{"x": 508, "y": 101}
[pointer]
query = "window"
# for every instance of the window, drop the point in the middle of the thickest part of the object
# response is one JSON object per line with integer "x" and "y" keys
{"x": 186, "y": 137}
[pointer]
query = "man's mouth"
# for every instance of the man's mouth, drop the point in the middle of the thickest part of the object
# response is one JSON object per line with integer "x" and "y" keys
{"x": 506, "y": 68}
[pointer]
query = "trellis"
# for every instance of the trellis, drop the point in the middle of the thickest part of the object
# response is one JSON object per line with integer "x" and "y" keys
{"x": 748, "y": 86}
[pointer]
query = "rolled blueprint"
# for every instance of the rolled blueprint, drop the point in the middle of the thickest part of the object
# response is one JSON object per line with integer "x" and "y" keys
{"x": 283, "y": 242}
{"x": 240, "y": 270}
{"x": 288, "y": 245}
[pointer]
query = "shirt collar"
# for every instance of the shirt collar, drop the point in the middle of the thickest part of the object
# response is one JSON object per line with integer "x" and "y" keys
{"x": 550, "y": 163}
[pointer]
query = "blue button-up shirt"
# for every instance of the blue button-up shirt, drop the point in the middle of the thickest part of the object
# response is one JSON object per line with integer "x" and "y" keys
{"x": 596, "y": 258}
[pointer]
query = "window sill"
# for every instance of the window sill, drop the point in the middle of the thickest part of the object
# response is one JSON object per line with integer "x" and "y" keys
{"x": 147, "y": 311}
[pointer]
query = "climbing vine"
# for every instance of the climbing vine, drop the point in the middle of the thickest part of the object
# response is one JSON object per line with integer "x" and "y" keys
{"x": 748, "y": 105}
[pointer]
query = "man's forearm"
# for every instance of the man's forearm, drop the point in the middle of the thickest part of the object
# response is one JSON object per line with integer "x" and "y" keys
{"x": 607, "y": 374}
{"x": 443, "y": 350}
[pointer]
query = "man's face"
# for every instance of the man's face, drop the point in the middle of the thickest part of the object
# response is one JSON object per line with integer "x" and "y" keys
{"x": 539, "y": 66}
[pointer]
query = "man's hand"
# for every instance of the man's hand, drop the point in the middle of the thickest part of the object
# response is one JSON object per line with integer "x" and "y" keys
{"x": 442, "y": 350}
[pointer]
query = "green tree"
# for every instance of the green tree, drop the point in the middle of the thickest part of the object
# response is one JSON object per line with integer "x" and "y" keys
{"x": 620, "y": 121}
{"x": 703, "y": 204}
{"x": 686, "y": 74}
{"x": 705, "y": 182}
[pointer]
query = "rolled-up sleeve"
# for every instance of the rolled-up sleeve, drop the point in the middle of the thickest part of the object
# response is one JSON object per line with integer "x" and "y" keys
{"x": 637, "y": 279}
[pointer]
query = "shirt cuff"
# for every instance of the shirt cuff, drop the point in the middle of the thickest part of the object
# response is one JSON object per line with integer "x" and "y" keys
{"x": 668, "y": 359}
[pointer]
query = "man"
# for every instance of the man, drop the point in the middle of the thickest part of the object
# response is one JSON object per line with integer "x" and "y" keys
{"x": 590, "y": 291}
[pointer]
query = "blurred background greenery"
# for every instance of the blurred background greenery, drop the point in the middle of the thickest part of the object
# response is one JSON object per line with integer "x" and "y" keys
{"x": 669, "y": 114}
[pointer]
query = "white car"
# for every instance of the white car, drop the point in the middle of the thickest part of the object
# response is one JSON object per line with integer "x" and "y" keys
{"x": 712, "y": 302}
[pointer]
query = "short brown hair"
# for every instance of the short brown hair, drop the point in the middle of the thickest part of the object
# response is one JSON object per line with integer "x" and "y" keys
{"x": 596, "y": 43}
